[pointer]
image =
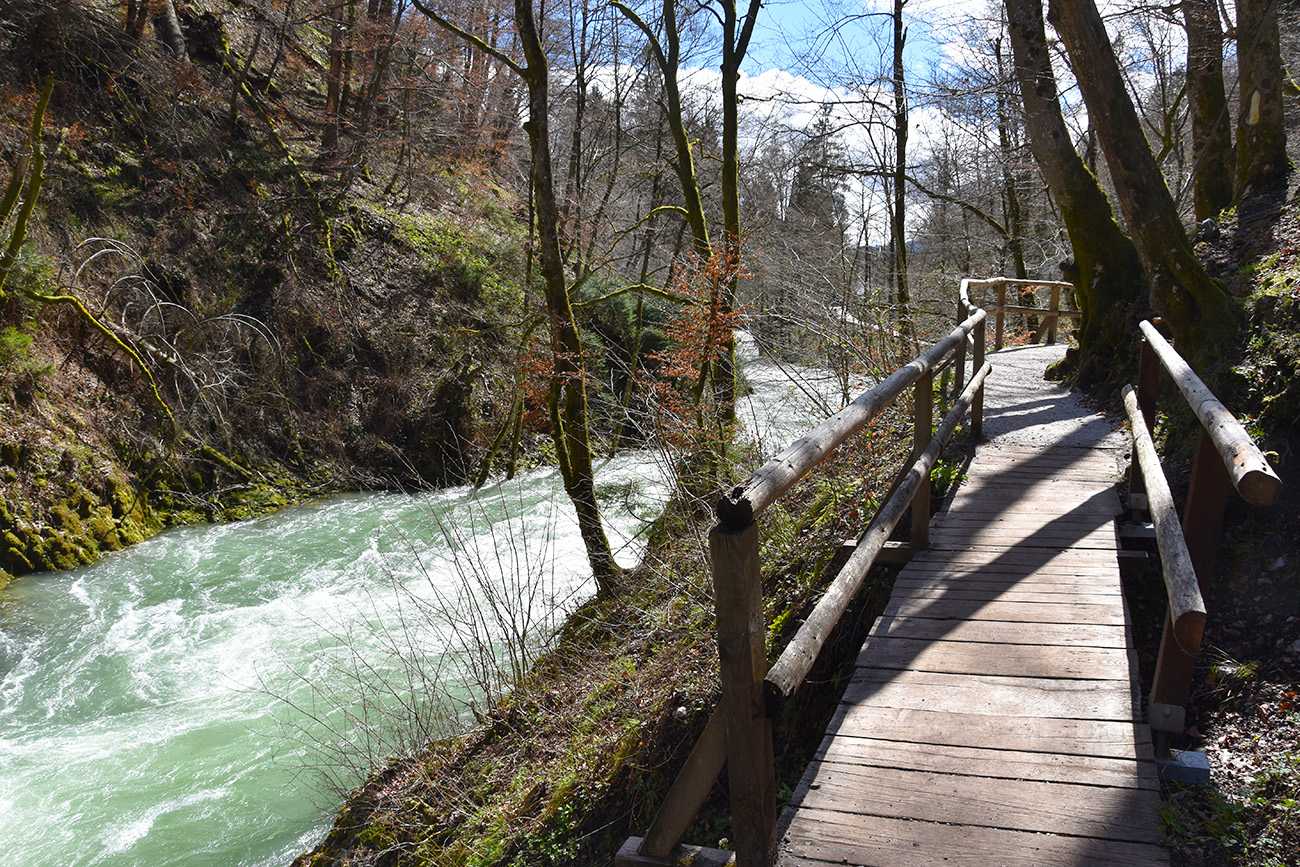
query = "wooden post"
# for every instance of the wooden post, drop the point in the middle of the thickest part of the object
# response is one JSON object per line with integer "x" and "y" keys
{"x": 977, "y": 362}
{"x": 1056, "y": 314}
{"x": 922, "y": 431}
{"x": 1148, "y": 371}
{"x": 997, "y": 317}
{"x": 742, "y": 664}
{"x": 1207, "y": 497}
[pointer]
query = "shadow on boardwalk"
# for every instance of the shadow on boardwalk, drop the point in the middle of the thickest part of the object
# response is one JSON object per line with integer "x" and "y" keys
{"x": 992, "y": 718}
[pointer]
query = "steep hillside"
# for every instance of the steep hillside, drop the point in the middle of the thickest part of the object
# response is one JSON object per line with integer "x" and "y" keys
{"x": 311, "y": 327}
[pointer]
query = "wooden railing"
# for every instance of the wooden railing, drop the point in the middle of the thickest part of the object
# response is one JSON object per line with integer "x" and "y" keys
{"x": 1052, "y": 313}
{"x": 739, "y": 734}
{"x": 1226, "y": 458}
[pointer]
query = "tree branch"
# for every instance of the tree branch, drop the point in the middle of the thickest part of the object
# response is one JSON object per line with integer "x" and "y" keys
{"x": 476, "y": 41}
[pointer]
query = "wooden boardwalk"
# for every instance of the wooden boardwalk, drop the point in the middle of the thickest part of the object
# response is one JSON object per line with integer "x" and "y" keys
{"x": 993, "y": 716}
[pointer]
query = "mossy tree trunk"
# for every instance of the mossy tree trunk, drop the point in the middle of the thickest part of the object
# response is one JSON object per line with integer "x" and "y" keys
{"x": 567, "y": 397}
{"x": 1261, "y": 127}
{"x": 1212, "y": 156}
{"x": 736, "y": 33}
{"x": 567, "y": 392}
{"x": 1107, "y": 272}
{"x": 1194, "y": 304}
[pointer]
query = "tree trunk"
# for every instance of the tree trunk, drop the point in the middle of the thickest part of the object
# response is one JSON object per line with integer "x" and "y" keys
{"x": 329, "y": 141}
{"x": 898, "y": 214}
{"x": 1106, "y": 271}
{"x": 734, "y": 46}
{"x": 1212, "y": 155}
{"x": 1010, "y": 192}
{"x": 1194, "y": 304}
{"x": 572, "y": 206}
{"x": 1261, "y": 127}
{"x": 137, "y": 13}
{"x": 567, "y": 399}
{"x": 167, "y": 27}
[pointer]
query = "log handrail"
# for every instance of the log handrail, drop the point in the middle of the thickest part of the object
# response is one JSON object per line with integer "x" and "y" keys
{"x": 1186, "y": 607}
{"x": 788, "y": 672}
{"x": 747, "y": 500}
{"x": 1226, "y": 458}
{"x": 1250, "y": 472}
{"x": 739, "y": 732}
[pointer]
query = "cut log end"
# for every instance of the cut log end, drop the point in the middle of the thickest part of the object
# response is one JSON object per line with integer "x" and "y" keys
{"x": 1260, "y": 487}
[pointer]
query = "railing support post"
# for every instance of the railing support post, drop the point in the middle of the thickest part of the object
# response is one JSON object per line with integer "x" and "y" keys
{"x": 922, "y": 430}
{"x": 1056, "y": 314}
{"x": 998, "y": 317}
{"x": 977, "y": 362}
{"x": 742, "y": 657}
{"x": 1207, "y": 497}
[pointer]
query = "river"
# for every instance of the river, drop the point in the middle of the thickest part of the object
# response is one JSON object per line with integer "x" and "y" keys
{"x": 192, "y": 699}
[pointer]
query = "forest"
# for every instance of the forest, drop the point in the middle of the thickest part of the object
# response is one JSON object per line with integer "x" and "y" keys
{"x": 256, "y": 252}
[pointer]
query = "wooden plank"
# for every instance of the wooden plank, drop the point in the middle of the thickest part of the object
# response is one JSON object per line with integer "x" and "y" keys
{"x": 1016, "y": 612}
{"x": 1008, "y": 593}
{"x": 1020, "y": 805}
{"x": 1012, "y": 660}
{"x": 996, "y": 458}
{"x": 1064, "y": 635}
{"x": 1099, "y": 569}
{"x": 980, "y": 761}
{"x": 994, "y": 455}
{"x": 818, "y": 837}
{"x": 1047, "y": 536}
{"x": 1022, "y": 521}
{"x": 1103, "y": 475}
{"x": 1101, "y": 738}
{"x": 1023, "y": 557}
{"x": 1081, "y": 554}
{"x": 991, "y": 694}
{"x": 1037, "y": 510}
{"x": 975, "y": 495}
{"x": 915, "y": 583}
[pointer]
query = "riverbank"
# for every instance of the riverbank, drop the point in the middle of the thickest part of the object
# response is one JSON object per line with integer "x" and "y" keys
{"x": 583, "y": 748}
{"x": 255, "y": 328}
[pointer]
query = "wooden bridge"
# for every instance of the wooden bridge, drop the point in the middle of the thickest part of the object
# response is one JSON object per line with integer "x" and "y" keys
{"x": 994, "y": 715}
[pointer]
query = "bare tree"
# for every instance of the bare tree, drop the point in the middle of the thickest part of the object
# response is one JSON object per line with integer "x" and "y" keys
{"x": 567, "y": 391}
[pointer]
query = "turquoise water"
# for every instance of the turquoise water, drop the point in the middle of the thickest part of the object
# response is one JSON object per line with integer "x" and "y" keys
{"x": 201, "y": 698}
{"x": 172, "y": 703}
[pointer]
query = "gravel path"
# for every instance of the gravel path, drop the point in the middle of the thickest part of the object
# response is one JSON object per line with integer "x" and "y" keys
{"x": 1022, "y": 408}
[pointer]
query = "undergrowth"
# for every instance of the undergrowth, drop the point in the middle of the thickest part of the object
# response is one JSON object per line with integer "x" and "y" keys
{"x": 581, "y": 753}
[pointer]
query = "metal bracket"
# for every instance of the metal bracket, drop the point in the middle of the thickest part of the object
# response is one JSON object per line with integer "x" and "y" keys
{"x": 1167, "y": 718}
